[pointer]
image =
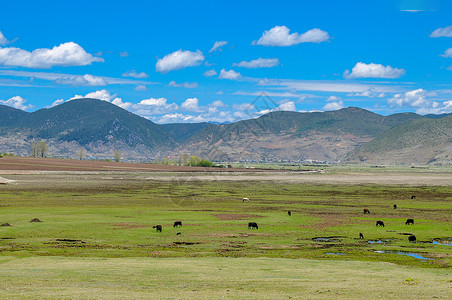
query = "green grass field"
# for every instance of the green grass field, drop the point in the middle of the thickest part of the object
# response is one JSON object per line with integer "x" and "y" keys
{"x": 96, "y": 238}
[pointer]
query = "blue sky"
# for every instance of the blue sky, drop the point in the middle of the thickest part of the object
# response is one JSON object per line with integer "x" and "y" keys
{"x": 208, "y": 60}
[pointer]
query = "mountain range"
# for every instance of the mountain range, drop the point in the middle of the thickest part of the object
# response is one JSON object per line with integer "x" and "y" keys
{"x": 351, "y": 135}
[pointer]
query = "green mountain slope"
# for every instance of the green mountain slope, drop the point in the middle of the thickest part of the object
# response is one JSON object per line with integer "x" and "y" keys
{"x": 422, "y": 141}
{"x": 292, "y": 135}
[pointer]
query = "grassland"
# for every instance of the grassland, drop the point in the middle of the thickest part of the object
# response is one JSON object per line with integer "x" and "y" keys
{"x": 96, "y": 238}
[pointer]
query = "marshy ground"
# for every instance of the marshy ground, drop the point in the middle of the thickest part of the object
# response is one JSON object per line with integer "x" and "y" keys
{"x": 95, "y": 238}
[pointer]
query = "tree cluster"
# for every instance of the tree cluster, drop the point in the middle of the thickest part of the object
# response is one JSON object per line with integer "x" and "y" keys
{"x": 39, "y": 149}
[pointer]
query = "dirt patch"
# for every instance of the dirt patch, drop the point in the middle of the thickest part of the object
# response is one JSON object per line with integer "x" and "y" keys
{"x": 70, "y": 241}
{"x": 236, "y": 216}
{"x": 129, "y": 225}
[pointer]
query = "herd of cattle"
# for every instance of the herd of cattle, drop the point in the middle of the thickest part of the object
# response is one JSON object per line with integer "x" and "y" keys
{"x": 253, "y": 225}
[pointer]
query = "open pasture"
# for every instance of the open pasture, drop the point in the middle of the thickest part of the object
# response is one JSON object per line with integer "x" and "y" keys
{"x": 88, "y": 218}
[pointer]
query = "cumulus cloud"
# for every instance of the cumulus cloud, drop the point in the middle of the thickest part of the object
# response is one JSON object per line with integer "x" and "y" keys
{"x": 442, "y": 32}
{"x": 258, "y": 63}
{"x": 101, "y": 95}
{"x": 279, "y": 36}
{"x": 362, "y": 70}
{"x": 179, "y": 60}
{"x": 287, "y": 106}
{"x": 17, "y": 102}
{"x": 372, "y": 92}
{"x": 188, "y": 85}
{"x": 191, "y": 104}
{"x": 3, "y": 40}
{"x": 210, "y": 73}
{"x": 414, "y": 98}
{"x": 447, "y": 53}
{"x": 135, "y": 74}
{"x": 153, "y": 106}
{"x": 85, "y": 80}
{"x": 217, "y": 46}
{"x": 334, "y": 105}
{"x": 67, "y": 54}
{"x": 232, "y": 75}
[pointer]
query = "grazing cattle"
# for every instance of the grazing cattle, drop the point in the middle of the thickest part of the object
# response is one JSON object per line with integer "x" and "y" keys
{"x": 409, "y": 222}
{"x": 177, "y": 224}
{"x": 413, "y": 196}
{"x": 289, "y": 213}
{"x": 366, "y": 211}
{"x": 158, "y": 228}
{"x": 361, "y": 236}
{"x": 395, "y": 206}
{"x": 380, "y": 223}
{"x": 252, "y": 225}
{"x": 245, "y": 200}
{"x": 412, "y": 238}
{"x": 178, "y": 233}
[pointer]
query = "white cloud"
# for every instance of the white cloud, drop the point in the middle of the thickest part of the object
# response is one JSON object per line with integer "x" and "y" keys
{"x": 414, "y": 98}
{"x": 442, "y": 32}
{"x": 279, "y": 36}
{"x": 287, "y": 106}
{"x": 55, "y": 76}
{"x": 362, "y": 70}
{"x": 188, "y": 85}
{"x": 258, "y": 63}
{"x": 210, "y": 73}
{"x": 100, "y": 94}
{"x": 372, "y": 92}
{"x": 67, "y": 54}
{"x": 447, "y": 53}
{"x": 333, "y": 98}
{"x": 333, "y": 105}
{"x": 437, "y": 108}
{"x": 153, "y": 106}
{"x": 327, "y": 86}
{"x": 191, "y": 104}
{"x": 135, "y": 74}
{"x": 3, "y": 40}
{"x": 124, "y": 54}
{"x": 179, "y": 60}
{"x": 218, "y": 103}
{"x": 85, "y": 80}
{"x": 217, "y": 45}
{"x": 140, "y": 88}
{"x": 232, "y": 75}
{"x": 56, "y": 102}
{"x": 17, "y": 102}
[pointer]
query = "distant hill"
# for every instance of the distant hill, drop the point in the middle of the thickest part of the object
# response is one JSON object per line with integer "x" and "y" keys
{"x": 284, "y": 135}
{"x": 100, "y": 127}
{"x": 421, "y": 141}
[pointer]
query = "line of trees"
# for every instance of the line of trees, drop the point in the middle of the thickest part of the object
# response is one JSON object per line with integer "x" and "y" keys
{"x": 39, "y": 149}
{"x": 185, "y": 160}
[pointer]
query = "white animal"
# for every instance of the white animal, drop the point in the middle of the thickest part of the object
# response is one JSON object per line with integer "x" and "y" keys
{"x": 245, "y": 200}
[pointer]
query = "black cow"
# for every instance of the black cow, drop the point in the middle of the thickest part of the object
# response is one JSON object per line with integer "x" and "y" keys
{"x": 380, "y": 223}
{"x": 361, "y": 236}
{"x": 366, "y": 211}
{"x": 158, "y": 228}
{"x": 289, "y": 213}
{"x": 412, "y": 238}
{"x": 252, "y": 225}
{"x": 178, "y": 233}
{"x": 409, "y": 222}
{"x": 395, "y": 206}
{"x": 177, "y": 224}
{"x": 413, "y": 196}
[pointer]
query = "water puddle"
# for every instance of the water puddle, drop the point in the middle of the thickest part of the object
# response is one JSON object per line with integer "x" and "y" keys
{"x": 328, "y": 239}
{"x": 443, "y": 243}
{"x": 404, "y": 253}
{"x": 332, "y": 253}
